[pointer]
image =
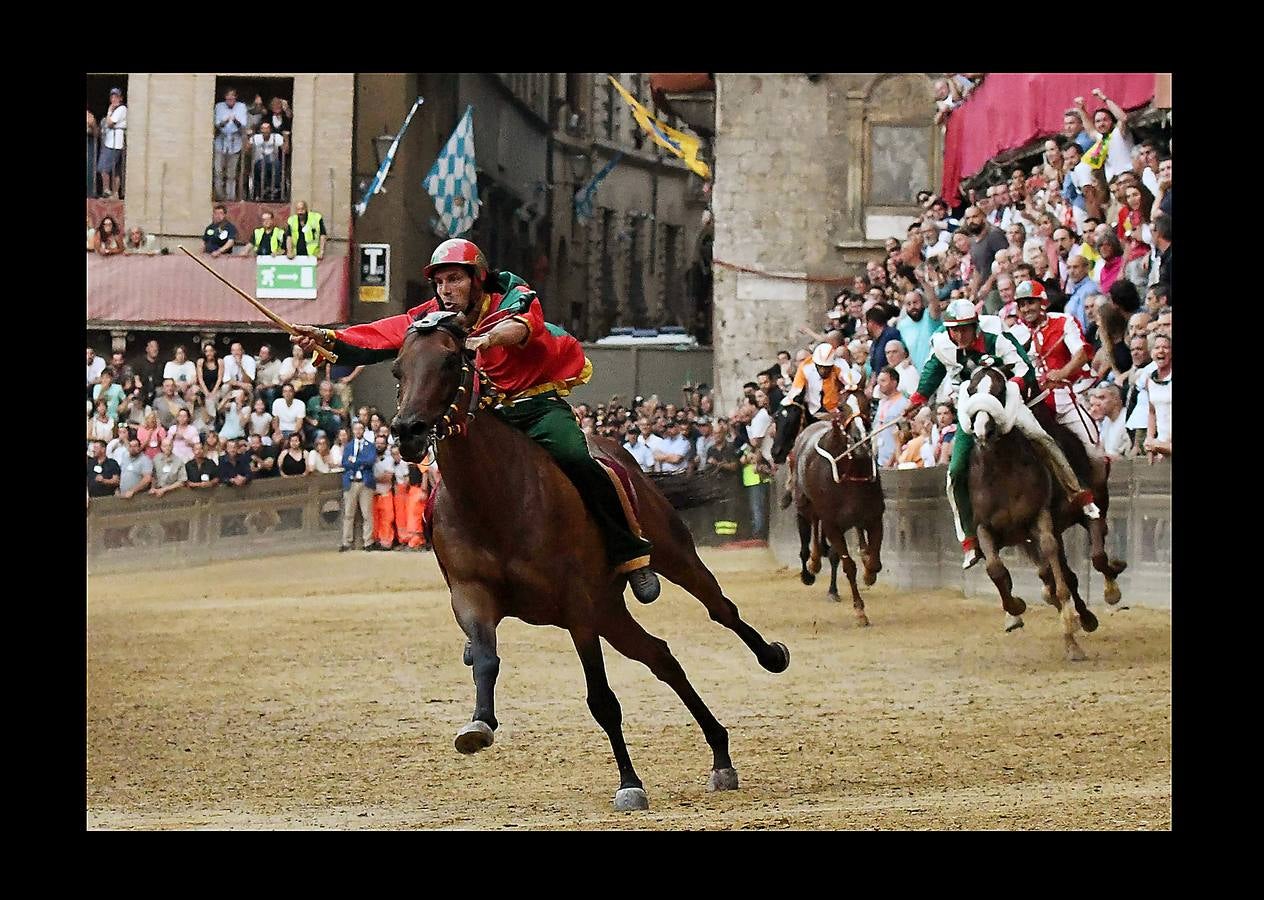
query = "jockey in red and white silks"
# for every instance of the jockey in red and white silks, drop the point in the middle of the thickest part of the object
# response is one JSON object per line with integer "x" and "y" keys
{"x": 1060, "y": 354}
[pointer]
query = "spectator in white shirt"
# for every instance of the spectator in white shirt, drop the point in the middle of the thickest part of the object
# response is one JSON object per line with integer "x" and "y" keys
{"x": 300, "y": 373}
{"x": 898, "y": 359}
{"x": 672, "y": 452}
{"x": 113, "y": 133}
{"x": 704, "y": 442}
{"x": 289, "y": 411}
{"x": 95, "y": 366}
{"x": 1108, "y": 124}
{"x": 239, "y": 368}
{"x": 641, "y": 448}
{"x": 266, "y": 149}
{"x": 1106, "y": 407}
{"x": 181, "y": 370}
{"x": 1158, "y": 442}
{"x": 318, "y": 457}
{"x": 891, "y": 406}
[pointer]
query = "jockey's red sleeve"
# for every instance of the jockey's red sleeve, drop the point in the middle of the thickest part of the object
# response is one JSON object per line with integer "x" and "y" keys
{"x": 376, "y": 341}
{"x": 917, "y": 400}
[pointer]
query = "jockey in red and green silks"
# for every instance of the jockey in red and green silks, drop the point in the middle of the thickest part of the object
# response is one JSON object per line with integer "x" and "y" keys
{"x": 957, "y": 349}
{"x": 532, "y": 362}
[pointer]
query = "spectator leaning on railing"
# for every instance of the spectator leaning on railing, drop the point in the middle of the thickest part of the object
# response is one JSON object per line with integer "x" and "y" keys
{"x": 103, "y": 472}
{"x": 219, "y": 237}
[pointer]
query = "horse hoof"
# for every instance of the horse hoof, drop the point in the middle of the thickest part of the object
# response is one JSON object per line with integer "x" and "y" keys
{"x": 1112, "y": 594}
{"x": 1012, "y": 623}
{"x": 862, "y": 621}
{"x": 807, "y": 578}
{"x": 1017, "y": 606}
{"x": 833, "y": 597}
{"x": 630, "y": 800}
{"x": 722, "y": 780}
{"x": 467, "y": 656}
{"x": 1088, "y": 621}
{"x": 474, "y": 736}
{"x": 778, "y": 665}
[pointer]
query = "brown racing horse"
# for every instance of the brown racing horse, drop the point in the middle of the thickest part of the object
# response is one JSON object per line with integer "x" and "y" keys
{"x": 513, "y": 538}
{"x": 1016, "y": 505}
{"x": 837, "y": 487}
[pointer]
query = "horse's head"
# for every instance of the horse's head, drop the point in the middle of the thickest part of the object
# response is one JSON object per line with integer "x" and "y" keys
{"x": 789, "y": 422}
{"x": 435, "y": 379}
{"x": 986, "y": 419}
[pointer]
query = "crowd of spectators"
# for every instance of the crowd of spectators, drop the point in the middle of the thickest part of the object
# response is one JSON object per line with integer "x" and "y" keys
{"x": 157, "y": 425}
{"x": 1091, "y": 222}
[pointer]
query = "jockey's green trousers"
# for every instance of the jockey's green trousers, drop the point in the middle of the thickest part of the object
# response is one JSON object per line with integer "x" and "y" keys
{"x": 548, "y": 420}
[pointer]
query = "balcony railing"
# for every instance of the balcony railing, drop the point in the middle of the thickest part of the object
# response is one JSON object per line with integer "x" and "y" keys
{"x": 255, "y": 173}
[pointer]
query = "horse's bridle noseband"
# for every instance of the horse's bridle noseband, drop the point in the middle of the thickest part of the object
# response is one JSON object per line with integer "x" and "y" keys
{"x": 480, "y": 398}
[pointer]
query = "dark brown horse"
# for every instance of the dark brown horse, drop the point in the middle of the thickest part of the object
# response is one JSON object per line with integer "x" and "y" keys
{"x": 513, "y": 538}
{"x": 836, "y": 487}
{"x": 1016, "y": 505}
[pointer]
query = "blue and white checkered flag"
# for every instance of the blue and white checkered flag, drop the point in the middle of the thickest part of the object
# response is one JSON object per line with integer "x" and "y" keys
{"x": 453, "y": 179}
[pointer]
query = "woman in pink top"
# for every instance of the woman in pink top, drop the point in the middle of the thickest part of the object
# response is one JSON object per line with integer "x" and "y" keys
{"x": 1112, "y": 260}
{"x": 151, "y": 436}
{"x": 183, "y": 436}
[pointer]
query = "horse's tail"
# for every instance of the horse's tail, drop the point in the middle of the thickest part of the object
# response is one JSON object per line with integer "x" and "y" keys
{"x": 686, "y": 490}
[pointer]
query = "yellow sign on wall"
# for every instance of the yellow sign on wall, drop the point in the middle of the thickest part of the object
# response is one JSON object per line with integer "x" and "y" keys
{"x": 372, "y": 293}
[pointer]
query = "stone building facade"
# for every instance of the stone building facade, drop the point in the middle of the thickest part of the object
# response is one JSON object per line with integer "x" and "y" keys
{"x": 812, "y": 173}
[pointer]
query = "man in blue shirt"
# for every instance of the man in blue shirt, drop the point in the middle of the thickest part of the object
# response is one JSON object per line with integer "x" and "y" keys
{"x": 916, "y": 326}
{"x": 1079, "y": 286}
{"x": 1073, "y": 130}
{"x": 230, "y": 128}
{"x": 219, "y": 237}
{"x": 234, "y": 465}
{"x": 876, "y": 323}
{"x": 358, "y": 457}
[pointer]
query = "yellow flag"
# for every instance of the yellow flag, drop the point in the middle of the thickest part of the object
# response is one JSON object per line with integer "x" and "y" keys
{"x": 683, "y": 145}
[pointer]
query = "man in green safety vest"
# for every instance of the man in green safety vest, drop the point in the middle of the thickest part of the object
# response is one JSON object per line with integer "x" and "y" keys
{"x": 268, "y": 240}
{"x": 305, "y": 233}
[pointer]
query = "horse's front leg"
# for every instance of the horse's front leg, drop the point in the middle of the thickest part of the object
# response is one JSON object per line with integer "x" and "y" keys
{"x": 475, "y": 613}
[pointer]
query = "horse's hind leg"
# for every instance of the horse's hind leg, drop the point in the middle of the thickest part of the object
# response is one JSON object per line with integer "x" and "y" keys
{"x": 629, "y": 638}
{"x": 806, "y": 573}
{"x": 1110, "y": 568}
{"x": 1087, "y": 620}
{"x": 838, "y": 549}
{"x": 1050, "y": 549}
{"x": 604, "y": 706}
{"x": 1014, "y": 606}
{"x": 677, "y": 559}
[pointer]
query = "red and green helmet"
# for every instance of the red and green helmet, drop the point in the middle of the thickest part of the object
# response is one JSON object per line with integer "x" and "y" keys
{"x": 458, "y": 252}
{"x": 1032, "y": 289}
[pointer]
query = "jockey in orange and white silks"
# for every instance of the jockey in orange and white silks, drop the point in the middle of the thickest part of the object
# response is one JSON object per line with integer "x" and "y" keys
{"x": 1060, "y": 354}
{"x": 822, "y": 381}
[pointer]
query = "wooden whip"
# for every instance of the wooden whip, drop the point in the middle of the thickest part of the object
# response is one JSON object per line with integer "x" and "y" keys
{"x": 277, "y": 320}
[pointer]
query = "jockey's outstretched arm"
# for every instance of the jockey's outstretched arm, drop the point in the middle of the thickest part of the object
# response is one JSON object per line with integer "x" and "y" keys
{"x": 933, "y": 373}
{"x": 359, "y": 345}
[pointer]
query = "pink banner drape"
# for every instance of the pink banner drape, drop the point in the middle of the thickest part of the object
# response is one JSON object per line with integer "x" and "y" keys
{"x": 1011, "y": 109}
{"x": 173, "y": 289}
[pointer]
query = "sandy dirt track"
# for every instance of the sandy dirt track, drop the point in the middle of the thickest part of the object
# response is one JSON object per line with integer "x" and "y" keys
{"x": 323, "y": 691}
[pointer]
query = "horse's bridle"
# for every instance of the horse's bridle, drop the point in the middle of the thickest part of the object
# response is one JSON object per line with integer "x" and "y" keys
{"x": 455, "y": 420}
{"x": 847, "y": 451}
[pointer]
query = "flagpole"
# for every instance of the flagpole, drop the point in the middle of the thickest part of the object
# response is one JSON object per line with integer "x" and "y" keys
{"x": 376, "y": 185}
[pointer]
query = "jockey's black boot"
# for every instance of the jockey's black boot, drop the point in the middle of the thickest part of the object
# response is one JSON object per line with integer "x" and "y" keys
{"x": 644, "y": 583}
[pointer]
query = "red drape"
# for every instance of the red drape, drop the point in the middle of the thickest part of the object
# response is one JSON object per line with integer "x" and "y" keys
{"x": 1011, "y": 109}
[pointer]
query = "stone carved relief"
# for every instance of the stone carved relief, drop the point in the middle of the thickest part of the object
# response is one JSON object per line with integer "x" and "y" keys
{"x": 899, "y": 164}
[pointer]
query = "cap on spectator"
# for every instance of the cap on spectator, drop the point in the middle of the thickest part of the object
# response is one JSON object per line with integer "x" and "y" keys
{"x": 114, "y": 91}
{"x": 702, "y": 420}
{"x": 823, "y": 355}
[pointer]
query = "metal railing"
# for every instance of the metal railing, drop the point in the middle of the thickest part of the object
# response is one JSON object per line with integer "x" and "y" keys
{"x": 253, "y": 173}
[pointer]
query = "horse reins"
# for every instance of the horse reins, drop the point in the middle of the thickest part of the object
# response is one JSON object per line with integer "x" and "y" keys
{"x": 834, "y": 460}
